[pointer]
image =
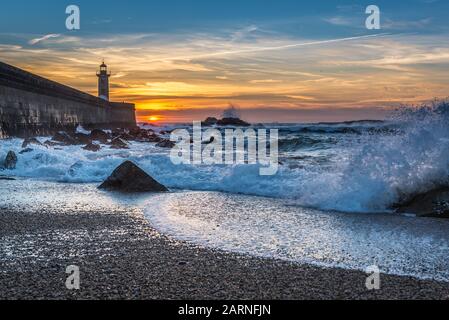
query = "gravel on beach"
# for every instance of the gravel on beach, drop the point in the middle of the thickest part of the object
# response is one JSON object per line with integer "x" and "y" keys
{"x": 121, "y": 257}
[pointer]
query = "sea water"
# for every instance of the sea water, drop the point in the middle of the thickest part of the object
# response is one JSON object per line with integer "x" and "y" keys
{"x": 330, "y": 202}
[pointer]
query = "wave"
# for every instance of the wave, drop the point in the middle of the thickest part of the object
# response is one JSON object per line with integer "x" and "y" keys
{"x": 366, "y": 173}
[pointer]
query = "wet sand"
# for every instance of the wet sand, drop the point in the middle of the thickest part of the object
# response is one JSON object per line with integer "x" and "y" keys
{"x": 121, "y": 257}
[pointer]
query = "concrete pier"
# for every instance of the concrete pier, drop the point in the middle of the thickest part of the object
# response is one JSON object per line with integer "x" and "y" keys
{"x": 32, "y": 105}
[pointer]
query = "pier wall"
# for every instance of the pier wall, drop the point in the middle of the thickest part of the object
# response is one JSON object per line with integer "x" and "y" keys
{"x": 32, "y": 105}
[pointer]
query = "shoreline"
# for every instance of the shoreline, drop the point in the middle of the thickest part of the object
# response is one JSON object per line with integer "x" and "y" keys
{"x": 121, "y": 256}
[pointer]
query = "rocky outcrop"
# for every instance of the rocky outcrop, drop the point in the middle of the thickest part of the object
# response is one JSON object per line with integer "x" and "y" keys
{"x": 10, "y": 161}
{"x": 29, "y": 141}
{"x": 119, "y": 143}
{"x": 211, "y": 121}
{"x": 165, "y": 144}
{"x": 434, "y": 204}
{"x": 233, "y": 122}
{"x": 128, "y": 177}
{"x": 64, "y": 138}
{"x": 99, "y": 135}
{"x": 93, "y": 147}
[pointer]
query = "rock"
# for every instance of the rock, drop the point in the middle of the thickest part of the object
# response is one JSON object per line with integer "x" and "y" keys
{"x": 27, "y": 150}
{"x": 83, "y": 138}
{"x": 99, "y": 135}
{"x": 210, "y": 121}
{"x": 119, "y": 143}
{"x": 92, "y": 147}
{"x": 165, "y": 144}
{"x": 7, "y": 178}
{"x": 154, "y": 138}
{"x": 64, "y": 138}
{"x": 11, "y": 161}
{"x": 434, "y": 204}
{"x": 29, "y": 141}
{"x": 52, "y": 143}
{"x": 232, "y": 122}
{"x": 128, "y": 177}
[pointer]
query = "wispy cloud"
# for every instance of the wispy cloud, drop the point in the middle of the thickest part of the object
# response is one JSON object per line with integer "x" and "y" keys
{"x": 46, "y": 37}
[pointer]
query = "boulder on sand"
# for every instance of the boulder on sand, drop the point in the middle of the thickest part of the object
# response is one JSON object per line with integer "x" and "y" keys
{"x": 128, "y": 177}
{"x": 10, "y": 161}
{"x": 434, "y": 204}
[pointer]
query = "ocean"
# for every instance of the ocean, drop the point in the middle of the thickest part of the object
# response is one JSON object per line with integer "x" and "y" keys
{"x": 330, "y": 203}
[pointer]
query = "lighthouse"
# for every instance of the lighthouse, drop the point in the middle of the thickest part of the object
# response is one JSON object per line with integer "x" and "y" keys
{"x": 103, "y": 82}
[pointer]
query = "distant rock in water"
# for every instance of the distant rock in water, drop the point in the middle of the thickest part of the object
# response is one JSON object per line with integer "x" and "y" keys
{"x": 29, "y": 141}
{"x": 64, "y": 138}
{"x": 83, "y": 138}
{"x": 210, "y": 121}
{"x": 26, "y": 150}
{"x": 165, "y": 144}
{"x": 11, "y": 161}
{"x": 232, "y": 122}
{"x": 99, "y": 135}
{"x": 119, "y": 143}
{"x": 92, "y": 147}
{"x": 128, "y": 177}
{"x": 434, "y": 204}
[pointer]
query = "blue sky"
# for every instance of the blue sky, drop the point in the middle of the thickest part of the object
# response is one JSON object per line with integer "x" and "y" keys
{"x": 178, "y": 59}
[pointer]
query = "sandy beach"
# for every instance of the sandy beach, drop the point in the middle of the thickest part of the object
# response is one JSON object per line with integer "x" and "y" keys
{"x": 121, "y": 257}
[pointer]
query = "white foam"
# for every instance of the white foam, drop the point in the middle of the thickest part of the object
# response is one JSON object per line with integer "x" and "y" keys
{"x": 364, "y": 173}
{"x": 275, "y": 229}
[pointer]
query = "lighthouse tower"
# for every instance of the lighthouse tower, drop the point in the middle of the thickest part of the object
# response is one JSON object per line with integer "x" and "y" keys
{"x": 103, "y": 81}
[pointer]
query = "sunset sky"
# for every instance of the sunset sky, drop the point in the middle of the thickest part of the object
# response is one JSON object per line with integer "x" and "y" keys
{"x": 285, "y": 61}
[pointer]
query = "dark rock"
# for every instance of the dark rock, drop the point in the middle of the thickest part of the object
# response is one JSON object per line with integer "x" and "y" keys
{"x": 128, "y": 177}
{"x": 52, "y": 143}
{"x": 7, "y": 178}
{"x": 64, "y": 138}
{"x": 233, "y": 122}
{"x": 11, "y": 161}
{"x": 92, "y": 147}
{"x": 99, "y": 135}
{"x": 119, "y": 143}
{"x": 82, "y": 138}
{"x": 165, "y": 144}
{"x": 434, "y": 203}
{"x": 29, "y": 141}
{"x": 154, "y": 138}
{"x": 210, "y": 121}
{"x": 27, "y": 150}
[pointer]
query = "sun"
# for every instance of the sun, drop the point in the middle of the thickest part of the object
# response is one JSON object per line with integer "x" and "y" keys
{"x": 154, "y": 118}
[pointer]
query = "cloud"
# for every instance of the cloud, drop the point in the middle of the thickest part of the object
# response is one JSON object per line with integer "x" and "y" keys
{"x": 340, "y": 21}
{"x": 46, "y": 37}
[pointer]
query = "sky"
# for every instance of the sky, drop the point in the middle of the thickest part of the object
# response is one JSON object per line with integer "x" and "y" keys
{"x": 276, "y": 61}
